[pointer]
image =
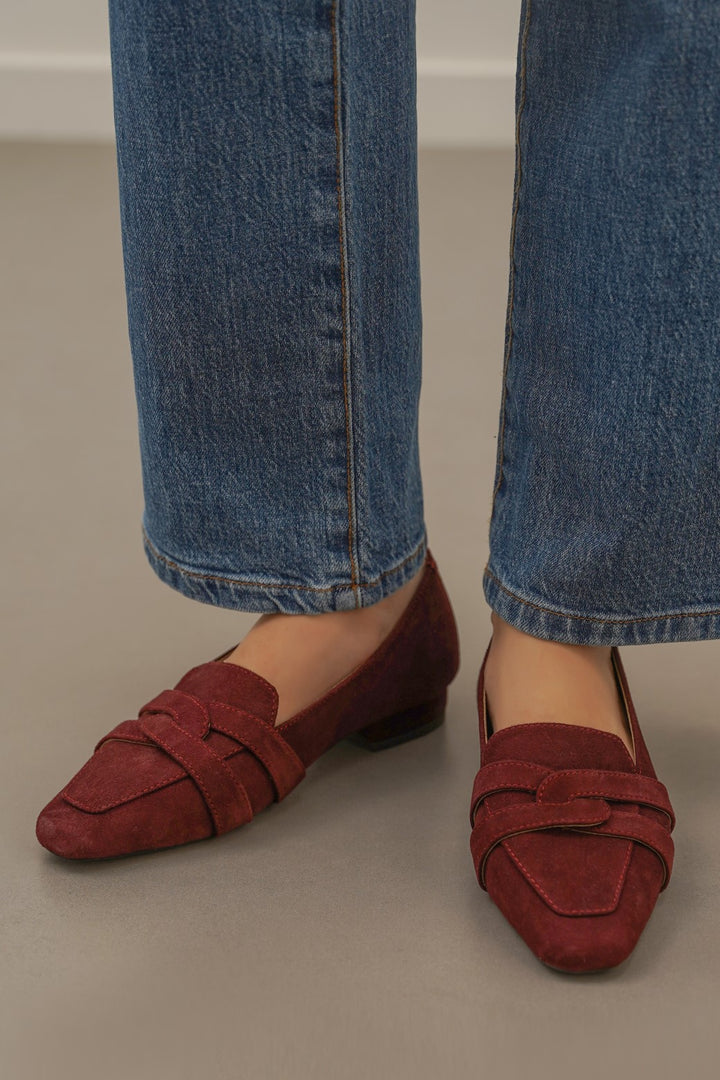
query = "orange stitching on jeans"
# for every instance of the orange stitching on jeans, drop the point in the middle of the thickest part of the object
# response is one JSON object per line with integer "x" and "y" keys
{"x": 593, "y": 618}
{"x": 343, "y": 297}
{"x": 272, "y": 585}
{"x": 513, "y": 229}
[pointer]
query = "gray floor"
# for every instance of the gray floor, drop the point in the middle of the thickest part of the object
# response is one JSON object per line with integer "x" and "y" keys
{"x": 342, "y": 934}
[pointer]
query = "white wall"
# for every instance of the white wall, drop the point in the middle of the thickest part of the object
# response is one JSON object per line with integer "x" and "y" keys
{"x": 466, "y": 71}
{"x": 55, "y": 70}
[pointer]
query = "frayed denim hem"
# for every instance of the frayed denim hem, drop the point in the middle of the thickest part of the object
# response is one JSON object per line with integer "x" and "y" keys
{"x": 536, "y": 618}
{"x": 239, "y": 594}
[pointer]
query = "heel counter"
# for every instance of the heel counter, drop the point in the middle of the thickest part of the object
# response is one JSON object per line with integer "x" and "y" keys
{"x": 412, "y": 668}
{"x": 442, "y": 623}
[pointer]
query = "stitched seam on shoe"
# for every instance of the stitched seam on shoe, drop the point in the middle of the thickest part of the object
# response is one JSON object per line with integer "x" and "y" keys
{"x": 344, "y": 303}
{"x": 126, "y": 798}
{"x": 546, "y": 781}
{"x": 174, "y": 690}
{"x": 561, "y": 823}
{"x": 513, "y": 231}
{"x": 177, "y": 756}
{"x": 247, "y": 745}
{"x": 120, "y": 801}
{"x": 635, "y": 800}
{"x": 583, "y": 794}
{"x": 201, "y": 705}
{"x": 263, "y": 680}
{"x": 175, "y": 715}
{"x": 243, "y": 583}
{"x": 571, "y": 911}
{"x": 244, "y": 742}
{"x": 597, "y": 619}
{"x": 239, "y": 709}
{"x": 581, "y": 772}
{"x": 136, "y": 740}
{"x": 123, "y": 799}
{"x": 590, "y": 795}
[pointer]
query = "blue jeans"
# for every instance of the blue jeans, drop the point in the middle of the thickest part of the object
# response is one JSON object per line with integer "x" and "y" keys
{"x": 267, "y": 166}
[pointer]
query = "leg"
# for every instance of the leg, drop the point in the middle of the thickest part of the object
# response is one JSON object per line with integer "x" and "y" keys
{"x": 270, "y": 235}
{"x": 271, "y": 248}
{"x": 607, "y": 482}
{"x": 267, "y": 165}
{"x": 607, "y": 485}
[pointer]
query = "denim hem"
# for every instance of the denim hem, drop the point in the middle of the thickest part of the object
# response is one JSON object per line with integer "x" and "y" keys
{"x": 239, "y": 594}
{"x": 579, "y": 629}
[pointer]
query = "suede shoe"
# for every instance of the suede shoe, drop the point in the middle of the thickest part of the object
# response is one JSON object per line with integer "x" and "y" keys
{"x": 570, "y": 836}
{"x": 205, "y": 757}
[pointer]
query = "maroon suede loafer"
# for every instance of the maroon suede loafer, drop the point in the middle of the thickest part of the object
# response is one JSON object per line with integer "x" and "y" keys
{"x": 205, "y": 757}
{"x": 570, "y": 836}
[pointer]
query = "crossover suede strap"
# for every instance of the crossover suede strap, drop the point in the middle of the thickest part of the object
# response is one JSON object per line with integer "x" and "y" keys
{"x": 264, "y": 741}
{"x": 577, "y": 799}
{"x": 505, "y": 776}
{"x": 226, "y": 799}
{"x": 180, "y": 725}
{"x": 614, "y": 786}
{"x": 493, "y": 828}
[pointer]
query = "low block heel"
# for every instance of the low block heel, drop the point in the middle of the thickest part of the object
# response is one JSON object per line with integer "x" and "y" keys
{"x": 403, "y": 726}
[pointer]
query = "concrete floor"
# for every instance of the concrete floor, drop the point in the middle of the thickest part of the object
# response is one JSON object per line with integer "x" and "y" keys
{"x": 342, "y": 934}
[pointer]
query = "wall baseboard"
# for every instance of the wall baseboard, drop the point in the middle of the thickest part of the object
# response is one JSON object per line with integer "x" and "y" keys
{"x": 68, "y": 98}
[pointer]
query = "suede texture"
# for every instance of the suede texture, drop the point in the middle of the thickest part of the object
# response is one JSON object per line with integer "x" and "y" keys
{"x": 570, "y": 835}
{"x": 205, "y": 757}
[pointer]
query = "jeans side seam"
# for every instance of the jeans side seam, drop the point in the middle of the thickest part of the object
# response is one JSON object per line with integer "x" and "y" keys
{"x": 594, "y": 618}
{"x": 355, "y": 585}
{"x": 513, "y": 231}
{"x": 345, "y": 304}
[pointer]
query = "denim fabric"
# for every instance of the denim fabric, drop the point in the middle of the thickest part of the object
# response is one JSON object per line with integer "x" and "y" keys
{"x": 606, "y": 517}
{"x": 267, "y": 164}
{"x": 267, "y": 167}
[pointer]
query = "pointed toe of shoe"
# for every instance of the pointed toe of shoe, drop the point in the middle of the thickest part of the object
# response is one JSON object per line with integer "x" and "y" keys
{"x": 71, "y": 833}
{"x": 589, "y": 944}
{"x": 150, "y": 823}
{"x": 67, "y": 832}
{"x": 584, "y": 941}
{"x": 571, "y": 835}
{"x": 585, "y": 947}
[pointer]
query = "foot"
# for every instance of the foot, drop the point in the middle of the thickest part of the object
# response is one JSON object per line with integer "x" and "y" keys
{"x": 200, "y": 759}
{"x": 304, "y": 655}
{"x": 530, "y": 680}
{"x": 570, "y": 838}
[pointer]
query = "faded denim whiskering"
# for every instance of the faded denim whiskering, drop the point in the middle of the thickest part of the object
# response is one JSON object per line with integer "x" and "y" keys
{"x": 605, "y": 526}
{"x": 268, "y": 184}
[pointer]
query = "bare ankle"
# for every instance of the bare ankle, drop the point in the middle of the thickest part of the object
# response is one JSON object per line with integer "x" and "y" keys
{"x": 534, "y": 680}
{"x": 304, "y": 655}
{"x": 506, "y": 635}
